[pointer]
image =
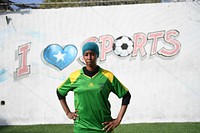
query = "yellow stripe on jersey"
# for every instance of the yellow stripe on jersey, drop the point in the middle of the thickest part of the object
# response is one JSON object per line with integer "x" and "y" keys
{"x": 62, "y": 84}
{"x": 108, "y": 74}
{"x": 74, "y": 76}
{"x": 125, "y": 87}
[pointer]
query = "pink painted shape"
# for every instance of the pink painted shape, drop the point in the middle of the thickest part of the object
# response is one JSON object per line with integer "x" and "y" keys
{"x": 155, "y": 36}
{"x": 169, "y": 38}
{"x": 24, "y": 68}
{"x": 106, "y": 45}
{"x": 140, "y": 41}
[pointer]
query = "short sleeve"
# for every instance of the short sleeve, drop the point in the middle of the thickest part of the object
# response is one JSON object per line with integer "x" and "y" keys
{"x": 65, "y": 87}
{"x": 118, "y": 88}
{"x": 68, "y": 84}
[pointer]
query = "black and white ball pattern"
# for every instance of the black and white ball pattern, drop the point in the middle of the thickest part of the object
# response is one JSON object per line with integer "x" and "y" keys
{"x": 123, "y": 46}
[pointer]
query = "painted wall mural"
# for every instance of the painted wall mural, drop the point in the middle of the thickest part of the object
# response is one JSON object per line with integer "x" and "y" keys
{"x": 122, "y": 46}
{"x": 3, "y": 74}
{"x": 155, "y": 54}
{"x": 22, "y": 52}
{"x": 60, "y": 57}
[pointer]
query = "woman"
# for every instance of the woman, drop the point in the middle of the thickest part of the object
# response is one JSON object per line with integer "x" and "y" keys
{"x": 91, "y": 86}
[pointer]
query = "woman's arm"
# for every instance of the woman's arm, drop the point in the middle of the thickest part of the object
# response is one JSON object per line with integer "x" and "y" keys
{"x": 70, "y": 115}
{"x": 115, "y": 122}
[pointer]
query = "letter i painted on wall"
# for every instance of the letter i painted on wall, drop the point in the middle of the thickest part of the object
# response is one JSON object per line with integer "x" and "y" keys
{"x": 22, "y": 52}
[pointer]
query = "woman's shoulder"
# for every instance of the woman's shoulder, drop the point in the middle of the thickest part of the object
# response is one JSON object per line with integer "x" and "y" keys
{"x": 106, "y": 71}
{"x": 108, "y": 74}
{"x": 75, "y": 73}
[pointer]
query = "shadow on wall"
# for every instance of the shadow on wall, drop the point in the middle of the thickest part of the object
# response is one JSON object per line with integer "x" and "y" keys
{"x": 3, "y": 125}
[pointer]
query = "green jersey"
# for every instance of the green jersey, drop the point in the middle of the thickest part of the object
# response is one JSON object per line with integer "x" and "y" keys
{"x": 91, "y": 98}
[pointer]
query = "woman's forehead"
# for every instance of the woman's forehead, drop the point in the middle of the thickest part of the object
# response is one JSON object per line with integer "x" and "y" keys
{"x": 89, "y": 51}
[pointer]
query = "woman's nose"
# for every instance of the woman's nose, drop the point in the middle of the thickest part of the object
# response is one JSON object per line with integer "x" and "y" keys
{"x": 89, "y": 56}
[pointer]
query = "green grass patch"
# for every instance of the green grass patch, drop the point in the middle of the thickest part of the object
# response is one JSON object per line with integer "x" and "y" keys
{"x": 159, "y": 128}
{"x": 124, "y": 128}
{"x": 57, "y": 128}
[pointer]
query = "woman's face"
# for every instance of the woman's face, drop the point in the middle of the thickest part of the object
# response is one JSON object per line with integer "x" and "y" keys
{"x": 90, "y": 58}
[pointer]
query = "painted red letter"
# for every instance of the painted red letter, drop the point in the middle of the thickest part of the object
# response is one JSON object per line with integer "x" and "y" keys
{"x": 169, "y": 39}
{"x": 24, "y": 68}
{"x": 140, "y": 41}
{"x": 106, "y": 45}
{"x": 155, "y": 36}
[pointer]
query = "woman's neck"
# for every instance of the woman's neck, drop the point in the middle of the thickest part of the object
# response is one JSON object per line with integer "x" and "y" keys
{"x": 91, "y": 73}
{"x": 91, "y": 68}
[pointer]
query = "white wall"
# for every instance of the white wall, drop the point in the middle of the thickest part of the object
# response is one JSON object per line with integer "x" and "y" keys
{"x": 164, "y": 87}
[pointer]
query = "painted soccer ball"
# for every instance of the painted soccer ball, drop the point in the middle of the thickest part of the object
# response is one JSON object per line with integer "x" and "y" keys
{"x": 123, "y": 46}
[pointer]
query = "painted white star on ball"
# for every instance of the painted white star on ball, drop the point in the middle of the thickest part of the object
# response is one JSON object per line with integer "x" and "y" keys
{"x": 59, "y": 56}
